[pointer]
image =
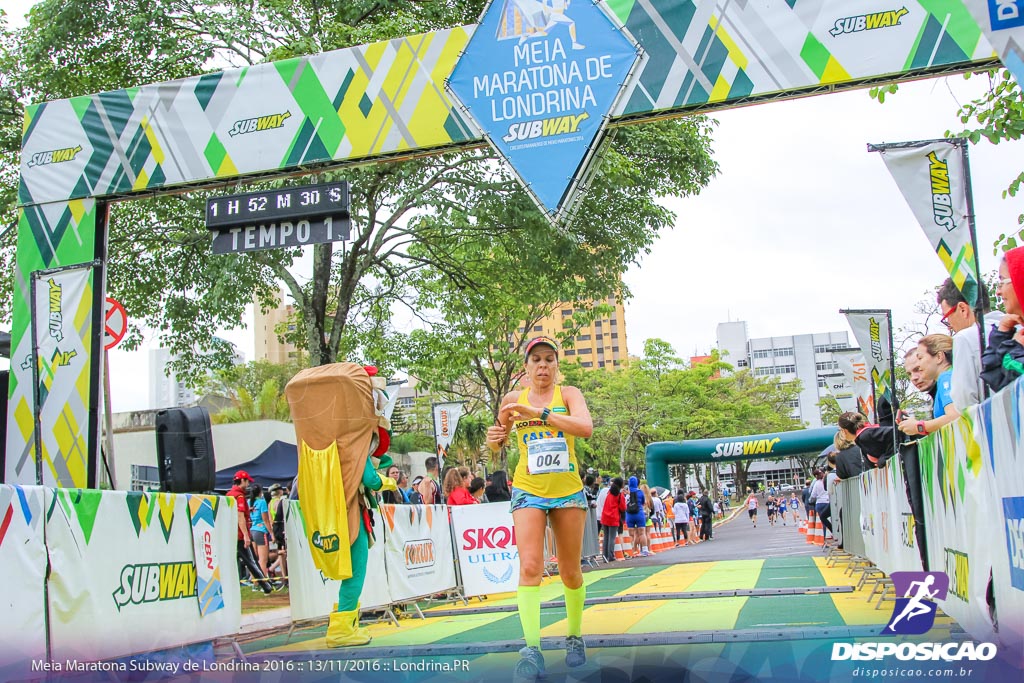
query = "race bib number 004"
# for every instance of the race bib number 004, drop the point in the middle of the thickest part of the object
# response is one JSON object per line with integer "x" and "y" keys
{"x": 547, "y": 456}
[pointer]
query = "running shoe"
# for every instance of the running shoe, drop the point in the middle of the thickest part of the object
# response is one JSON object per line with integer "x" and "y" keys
{"x": 530, "y": 666}
{"x": 645, "y": 553}
{"x": 575, "y": 652}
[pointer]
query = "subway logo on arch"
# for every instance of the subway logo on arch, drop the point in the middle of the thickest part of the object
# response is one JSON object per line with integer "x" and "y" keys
{"x": 751, "y": 447}
{"x": 545, "y": 128}
{"x": 54, "y": 156}
{"x": 142, "y": 583}
{"x": 868, "y": 22}
{"x": 254, "y": 125}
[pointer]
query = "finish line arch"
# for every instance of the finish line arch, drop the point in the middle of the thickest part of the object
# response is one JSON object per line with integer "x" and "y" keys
{"x": 660, "y": 455}
{"x": 374, "y": 103}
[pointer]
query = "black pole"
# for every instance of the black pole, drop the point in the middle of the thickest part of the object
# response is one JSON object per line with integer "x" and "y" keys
{"x": 979, "y": 314}
{"x": 892, "y": 386}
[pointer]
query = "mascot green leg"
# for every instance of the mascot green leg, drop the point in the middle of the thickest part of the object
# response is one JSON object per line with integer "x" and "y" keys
{"x": 344, "y": 627}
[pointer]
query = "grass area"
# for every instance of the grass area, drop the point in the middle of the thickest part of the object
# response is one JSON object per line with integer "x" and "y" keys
{"x": 257, "y": 601}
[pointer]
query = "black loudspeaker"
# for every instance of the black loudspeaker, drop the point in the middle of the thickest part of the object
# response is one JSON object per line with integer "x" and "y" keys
{"x": 184, "y": 450}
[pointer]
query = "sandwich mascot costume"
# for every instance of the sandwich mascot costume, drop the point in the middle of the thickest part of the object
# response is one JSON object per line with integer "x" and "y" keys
{"x": 338, "y": 412}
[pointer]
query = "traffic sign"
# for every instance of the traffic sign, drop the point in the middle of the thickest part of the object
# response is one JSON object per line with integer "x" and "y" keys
{"x": 115, "y": 324}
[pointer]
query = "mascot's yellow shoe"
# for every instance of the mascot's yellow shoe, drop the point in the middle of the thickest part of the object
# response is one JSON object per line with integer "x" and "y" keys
{"x": 344, "y": 630}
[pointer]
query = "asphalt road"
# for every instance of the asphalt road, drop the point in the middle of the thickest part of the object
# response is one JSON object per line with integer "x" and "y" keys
{"x": 737, "y": 539}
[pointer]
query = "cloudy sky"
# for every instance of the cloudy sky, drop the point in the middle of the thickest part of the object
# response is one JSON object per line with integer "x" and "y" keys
{"x": 800, "y": 222}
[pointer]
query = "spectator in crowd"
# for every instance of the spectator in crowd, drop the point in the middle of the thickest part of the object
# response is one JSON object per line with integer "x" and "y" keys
{"x": 277, "y": 513}
{"x": 260, "y": 527}
{"x": 636, "y": 518}
{"x": 657, "y": 512}
{"x": 498, "y": 491}
{"x": 430, "y": 487}
{"x": 395, "y": 497}
{"x": 707, "y": 511}
{"x": 601, "y": 495}
{"x": 966, "y": 386}
{"x": 590, "y": 490}
{"x": 681, "y": 511}
{"x": 805, "y": 495}
{"x": 613, "y": 510}
{"x": 456, "y": 487}
{"x": 819, "y": 497}
{"x": 246, "y": 557}
{"x": 935, "y": 356}
{"x": 1003, "y": 361}
{"x": 649, "y": 511}
{"x": 476, "y": 489}
{"x": 415, "y": 497}
{"x": 849, "y": 460}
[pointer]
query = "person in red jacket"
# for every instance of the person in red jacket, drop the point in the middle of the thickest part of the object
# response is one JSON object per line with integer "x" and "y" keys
{"x": 246, "y": 558}
{"x": 456, "y": 487}
{"x": 612, "y": 514}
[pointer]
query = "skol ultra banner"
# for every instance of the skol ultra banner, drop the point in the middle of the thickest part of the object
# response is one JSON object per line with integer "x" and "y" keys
{"x": 62, "y": 304}
{"x": 999, "y": 421}
{"x": 872, "y": 330}
{"x": 446, "y": 421}
{"x": 958, "y": 495}
{"x": 485, "y": 540}
{"x": 313, "y": 595}
{"x": 123, "y": 575}
{"x": 932, "y": 176}
{"x": 418, "y": 550}
{"x": 1003, "y": 24}
{"x": 23, "y": 558}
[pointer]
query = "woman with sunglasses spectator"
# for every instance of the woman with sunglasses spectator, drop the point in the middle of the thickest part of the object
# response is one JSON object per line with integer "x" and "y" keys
{"x": 1003, "y": 360}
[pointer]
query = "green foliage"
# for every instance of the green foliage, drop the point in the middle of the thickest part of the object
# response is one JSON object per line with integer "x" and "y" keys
{"x": 269, "y": 404}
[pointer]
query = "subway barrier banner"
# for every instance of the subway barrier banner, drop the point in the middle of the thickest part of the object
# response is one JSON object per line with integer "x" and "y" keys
{"x": 418, "y": 550}
{"x": 23, "y": 558}
{"x": 1000, "y": 420}
{"x": 209, "y": 587}
{"x": 312, "y": 594}
{"x": 62, "y": 311}
{"x": 123, "y": 575}
{"x": 871, "y": 330}
{"x": 485, "y": 540}
{"x": 1002, "y": 22}
{"x": 446, "y": 421}
{"x": 849, "y": 501}
{"x": 932, "y": 176}
{"x": 898, "y": 541}
{"x": 872, "y": 502}
{"x": 855, "y": 370}
{"x": 958, "y": 496}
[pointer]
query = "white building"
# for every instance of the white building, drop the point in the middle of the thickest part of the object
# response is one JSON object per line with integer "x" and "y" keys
{"x": 805, "y": 357}
{"x": 165, "y": 390}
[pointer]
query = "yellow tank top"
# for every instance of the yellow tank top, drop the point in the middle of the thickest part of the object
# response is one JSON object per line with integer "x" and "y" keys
{"x": 551, "y": 476}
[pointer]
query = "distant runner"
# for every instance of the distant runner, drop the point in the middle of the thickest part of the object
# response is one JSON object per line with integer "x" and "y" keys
{"x": 752, "y": 507}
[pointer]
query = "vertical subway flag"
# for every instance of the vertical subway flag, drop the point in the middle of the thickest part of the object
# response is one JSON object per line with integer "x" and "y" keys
{"x": 62, "y": 332}
{"x": 872, "y": 331}
{"x": 1002, "y": 22}
{"x": 446, "y": 421}
{"x": 932, "y": 177}
{"x": 855, "y": 370}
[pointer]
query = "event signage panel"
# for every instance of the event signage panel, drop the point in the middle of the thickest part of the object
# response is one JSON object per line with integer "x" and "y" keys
{"x": 285, "y": 217}
{"x": 540, "y": 80}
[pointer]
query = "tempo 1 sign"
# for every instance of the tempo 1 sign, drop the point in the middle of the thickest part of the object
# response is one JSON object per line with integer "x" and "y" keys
{"x": 286, "y": 217}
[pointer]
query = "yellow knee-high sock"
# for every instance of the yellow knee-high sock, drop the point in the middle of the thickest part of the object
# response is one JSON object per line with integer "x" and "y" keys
{"x": 574, "y": 599}
{"x": 528, "y": 599}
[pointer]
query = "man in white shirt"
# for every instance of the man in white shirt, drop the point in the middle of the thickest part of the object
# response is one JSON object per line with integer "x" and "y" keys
{"x": 966, "y": 385}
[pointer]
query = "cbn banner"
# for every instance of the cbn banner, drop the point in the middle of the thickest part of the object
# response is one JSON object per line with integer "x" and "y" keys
{"x": 872, "y": 330}
{"x": 418, "y": 550}
{"x": 123, "y": 573}
{"x": 855, "y": 370}
{"x": 314, "y": 595}
{"x": 23, "y": 558}
{"x": 209, "y": 587}
{"x": 446, "y": 421}
{"x": 1003, "y": 24}
{"x": 932, "y": 176}
{"x": 999, "y": 421}
{"x": 485, "y": 539}
{"x": 959, "y": 501}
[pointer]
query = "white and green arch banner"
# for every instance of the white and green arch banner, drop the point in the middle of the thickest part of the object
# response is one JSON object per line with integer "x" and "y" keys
{"x": 388, "y": 99}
